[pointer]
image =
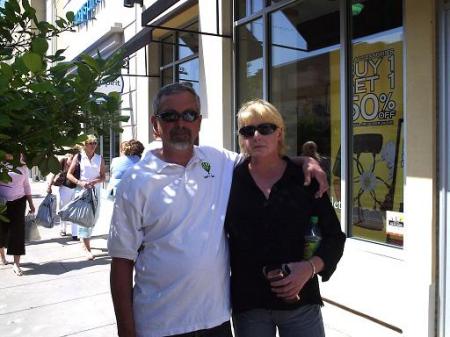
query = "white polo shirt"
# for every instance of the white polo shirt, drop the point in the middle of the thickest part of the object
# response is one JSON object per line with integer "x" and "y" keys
{"x": 176, "y": 214}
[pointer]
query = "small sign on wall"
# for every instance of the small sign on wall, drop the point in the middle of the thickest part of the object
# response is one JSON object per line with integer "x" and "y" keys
{"x": 395, "y": 227}
{"x": 116, "y": 85}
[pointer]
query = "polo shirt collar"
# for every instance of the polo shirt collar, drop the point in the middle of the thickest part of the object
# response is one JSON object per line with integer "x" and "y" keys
{"x": 159, "y": 165}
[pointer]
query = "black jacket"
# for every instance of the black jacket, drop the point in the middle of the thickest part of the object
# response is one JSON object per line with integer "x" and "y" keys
{"x": 271, "y": 231}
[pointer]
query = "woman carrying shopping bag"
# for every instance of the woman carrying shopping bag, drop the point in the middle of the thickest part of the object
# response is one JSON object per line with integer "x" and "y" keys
{"x": 65, "y": 194}
{"x": 12, "y": 234}
{"x": 92, "y": 174}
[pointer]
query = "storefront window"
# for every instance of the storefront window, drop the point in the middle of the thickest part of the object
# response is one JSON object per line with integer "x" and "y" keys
{"x": 179, "y": 61}
{"x": 378, "y": 128}
{"x": 248, "y": 7}
{"x": 167, "y": 49}
{"x": 304, "y": 51}
{"x": 167, "y": 76}
{"x": 188, "y": 42}
{"x": 250, "y": 61}
{"x": 301, "y": 75}
{"x": 188, "y": 72}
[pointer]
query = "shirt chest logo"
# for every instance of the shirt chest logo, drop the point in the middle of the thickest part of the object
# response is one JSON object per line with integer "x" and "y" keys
{"x": 207, "y": 167}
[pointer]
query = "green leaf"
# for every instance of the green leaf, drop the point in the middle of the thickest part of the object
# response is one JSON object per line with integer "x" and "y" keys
{"x": 61, "y": 23}
{"x": 33, "y": 62}
{"x": 90, "y": 61}
{"x": 17, "y": 104}
{"x": 4, "y": 137}
{"x": 6, "y": 70}
{"x": 85, "y": 73}
{"x": 5, "y": 121}
{"x": 39, "y": 45}
{"x": 19, "y": 66}
{"x": 42, "y": 87}
{"x": 4, "y": 84}
{"x": 70, "y": 16}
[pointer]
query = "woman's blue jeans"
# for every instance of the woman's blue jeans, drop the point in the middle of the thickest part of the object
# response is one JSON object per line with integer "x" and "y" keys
{"x": 305, "y": 321}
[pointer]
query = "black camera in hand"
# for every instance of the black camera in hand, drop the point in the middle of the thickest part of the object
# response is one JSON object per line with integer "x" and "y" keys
{"x": 276, "y": 272}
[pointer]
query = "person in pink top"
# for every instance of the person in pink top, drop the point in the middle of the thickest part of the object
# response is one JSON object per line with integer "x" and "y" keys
{"x": 12, "y": 234}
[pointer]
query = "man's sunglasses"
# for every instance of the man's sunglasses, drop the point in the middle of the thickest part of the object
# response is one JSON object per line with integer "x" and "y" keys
{"x": 171, "y": 116}
{"x": 263, "y": 129}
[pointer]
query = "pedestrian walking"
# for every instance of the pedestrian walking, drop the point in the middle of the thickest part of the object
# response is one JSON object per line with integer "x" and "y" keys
{"x": 65, "y": 194}
{"x": 92, "y": 174}
{"x": 17, "y": 193}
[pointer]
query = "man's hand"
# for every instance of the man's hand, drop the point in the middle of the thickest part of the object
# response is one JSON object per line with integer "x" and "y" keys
{"x": 312, "y": 169}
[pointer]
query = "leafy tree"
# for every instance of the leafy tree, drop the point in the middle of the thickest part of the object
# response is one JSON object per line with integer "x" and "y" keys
{"x": 48, "y": 105}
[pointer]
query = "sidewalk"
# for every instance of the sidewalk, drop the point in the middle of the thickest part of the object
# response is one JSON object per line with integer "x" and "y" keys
{"x": 62, "y": 294}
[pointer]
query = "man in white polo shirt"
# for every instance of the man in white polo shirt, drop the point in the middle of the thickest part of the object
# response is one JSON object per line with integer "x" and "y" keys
{"x": 168, "y": 225}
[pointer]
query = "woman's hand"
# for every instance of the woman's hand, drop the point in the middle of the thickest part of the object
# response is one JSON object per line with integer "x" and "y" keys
{"x": 289, "y": 287}
{"x": 32, "y": 209}
{"x": 83, "y": 184}
{"x": 49, "y": 189}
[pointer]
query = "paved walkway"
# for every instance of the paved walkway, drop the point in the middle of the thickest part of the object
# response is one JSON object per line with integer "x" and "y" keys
{"x": 62, "y": 294}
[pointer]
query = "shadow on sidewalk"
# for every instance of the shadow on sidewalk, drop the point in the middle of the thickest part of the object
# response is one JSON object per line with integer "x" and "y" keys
{"x": 64, "y": 266}
{"x": 63, "y": 240}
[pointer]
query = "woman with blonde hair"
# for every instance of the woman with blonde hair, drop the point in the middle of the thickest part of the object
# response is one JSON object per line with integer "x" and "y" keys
{"x": 273, "y": 281}
{"x": 92, "y": 174}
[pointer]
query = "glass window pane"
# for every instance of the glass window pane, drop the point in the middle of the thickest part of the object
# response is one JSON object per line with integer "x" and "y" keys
{"x": 304, "y": 80}
{"x": 378, "y": 166}
{"x": 167, "y": 76}
{"x": 250, "y": 61}
{"x": 188, "y": 42}
{"x": 167, "y": 50}
{"x": 248, "y": 7}
{"x": 189, "y": 72}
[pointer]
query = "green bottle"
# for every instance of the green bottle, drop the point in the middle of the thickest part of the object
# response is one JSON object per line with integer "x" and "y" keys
{"x": 312, "y": 237}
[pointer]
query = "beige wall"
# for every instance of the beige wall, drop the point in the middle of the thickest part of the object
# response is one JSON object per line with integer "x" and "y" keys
{"x": 420, "y": 190}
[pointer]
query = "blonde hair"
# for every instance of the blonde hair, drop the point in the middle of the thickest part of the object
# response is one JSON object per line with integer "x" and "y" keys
{"x": 90, "y": 139}
{"x": 266, "y": 113}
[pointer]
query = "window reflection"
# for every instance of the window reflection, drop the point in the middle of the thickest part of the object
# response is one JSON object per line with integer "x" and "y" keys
{"x": 188, "y": 42}
{"x": 248, "y": 7}
{"x": 179, "y": 61}
{"x": 304, "y": 51}
{"x": 188, "y": 72}
{"x": 167, "y": 50}
{"x": 250, "y": 61}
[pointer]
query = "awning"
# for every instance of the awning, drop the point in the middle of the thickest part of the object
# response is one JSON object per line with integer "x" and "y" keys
{"x": 151, "y": 14}
{"x": 165, "y": 15}
{"x": 138, "y": 41}
{"x": 106, "y": 45}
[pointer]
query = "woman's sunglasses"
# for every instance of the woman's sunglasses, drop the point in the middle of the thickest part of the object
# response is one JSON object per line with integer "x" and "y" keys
{"x": 263, "y": 129}
{"x": 91, "y": 143}
{"x": 171, "y": 116}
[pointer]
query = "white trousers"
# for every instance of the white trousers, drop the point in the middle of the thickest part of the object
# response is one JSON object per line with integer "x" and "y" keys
{"x": 65, "y": 195}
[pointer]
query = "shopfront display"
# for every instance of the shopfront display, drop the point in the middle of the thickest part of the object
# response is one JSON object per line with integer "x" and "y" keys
{"x": 301, "y": 75}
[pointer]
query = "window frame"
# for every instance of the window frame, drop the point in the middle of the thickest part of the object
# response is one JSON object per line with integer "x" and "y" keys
{"x": 173, "y": 65}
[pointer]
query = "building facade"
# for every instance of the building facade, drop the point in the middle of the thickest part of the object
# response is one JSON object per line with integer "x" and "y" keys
{"x": 366, "y": 80}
